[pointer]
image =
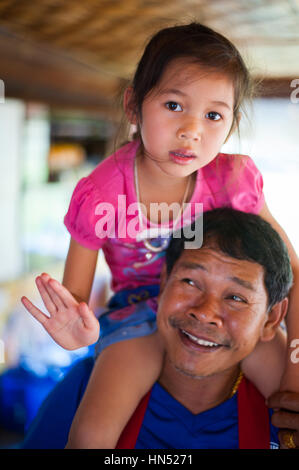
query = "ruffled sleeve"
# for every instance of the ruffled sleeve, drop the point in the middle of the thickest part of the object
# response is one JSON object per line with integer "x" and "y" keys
{"x": 81, "y": 218}
{"x": 248, "y": 195}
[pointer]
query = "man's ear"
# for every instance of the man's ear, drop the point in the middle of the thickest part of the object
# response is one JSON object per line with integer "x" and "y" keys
{"x": 129, "y": 105}
{"x": 274, "y": 318}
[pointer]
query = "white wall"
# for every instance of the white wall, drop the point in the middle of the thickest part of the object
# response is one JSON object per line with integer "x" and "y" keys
{"x": 272, "y": 141}
{"x": 12, "y": 113}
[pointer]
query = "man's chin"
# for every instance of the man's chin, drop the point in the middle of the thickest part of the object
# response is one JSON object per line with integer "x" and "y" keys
{"x": 190, "y": 373}
{"x": 193, "y": 372}
{"x": 202, "y": 369}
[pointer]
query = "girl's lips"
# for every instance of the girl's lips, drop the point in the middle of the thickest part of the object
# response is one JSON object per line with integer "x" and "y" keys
{"x": 182, "y": 156}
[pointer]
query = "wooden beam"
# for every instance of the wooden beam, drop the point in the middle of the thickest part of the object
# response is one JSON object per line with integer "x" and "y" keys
{"x": 275, "y": 87}
{"x": 36, "y": 72}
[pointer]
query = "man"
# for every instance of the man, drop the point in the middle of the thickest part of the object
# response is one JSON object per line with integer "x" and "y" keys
{"x": 215, "y": 304}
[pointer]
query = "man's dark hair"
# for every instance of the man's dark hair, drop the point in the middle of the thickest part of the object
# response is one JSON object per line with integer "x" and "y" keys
{"x": 246, "y": 237}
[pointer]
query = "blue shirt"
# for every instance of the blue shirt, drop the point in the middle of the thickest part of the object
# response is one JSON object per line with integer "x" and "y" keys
{"x": 169, "y": 425}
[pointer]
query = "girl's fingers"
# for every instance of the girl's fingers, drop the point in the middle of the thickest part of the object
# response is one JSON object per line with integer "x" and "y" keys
{"x": 65, "y": 295}
{"x": 48, "y": 302}
{"x": 87, "y": 315}
{"x": 55, "y": 297}
{"x": 35, "y": 312}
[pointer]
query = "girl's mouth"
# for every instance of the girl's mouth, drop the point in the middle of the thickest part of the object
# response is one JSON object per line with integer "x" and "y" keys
{"x": 182, "y": 157}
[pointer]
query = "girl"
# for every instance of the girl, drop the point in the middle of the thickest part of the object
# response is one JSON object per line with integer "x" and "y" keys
{"x": 185, "y": 102}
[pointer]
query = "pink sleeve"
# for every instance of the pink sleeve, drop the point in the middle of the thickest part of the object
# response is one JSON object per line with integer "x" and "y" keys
{"x": 81, "y": 218}
{"x": 247, "y": 195}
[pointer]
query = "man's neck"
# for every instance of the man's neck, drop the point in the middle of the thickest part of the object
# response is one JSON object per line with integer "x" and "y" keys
{"x": 201, "y": 393}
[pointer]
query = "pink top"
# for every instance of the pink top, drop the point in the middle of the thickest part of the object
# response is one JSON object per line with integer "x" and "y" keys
{"x": 95, "y": 217}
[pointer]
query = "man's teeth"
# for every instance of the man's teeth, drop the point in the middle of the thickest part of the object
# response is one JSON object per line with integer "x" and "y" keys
{"x": 202, "y": 342}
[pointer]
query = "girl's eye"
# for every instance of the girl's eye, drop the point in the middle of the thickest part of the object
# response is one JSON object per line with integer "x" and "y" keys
{"x": 213, "y": 116}
{"x": 173, "y": 106}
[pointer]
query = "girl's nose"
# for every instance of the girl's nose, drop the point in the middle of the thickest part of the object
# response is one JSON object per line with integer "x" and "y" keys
{"x": 207, "y": 311}
{"x": 189, "y": 131}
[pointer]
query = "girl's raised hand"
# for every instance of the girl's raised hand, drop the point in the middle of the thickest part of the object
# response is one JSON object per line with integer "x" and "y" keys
{"x": 70, "y": 323}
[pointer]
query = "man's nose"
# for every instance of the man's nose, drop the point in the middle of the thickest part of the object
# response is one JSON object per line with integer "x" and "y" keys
{"x": 207, "y": 310}
{"x": 190, "y": 130}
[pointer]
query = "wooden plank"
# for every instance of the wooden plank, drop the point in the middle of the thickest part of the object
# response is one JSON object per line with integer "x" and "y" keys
{"x": 35, "y": 72}
{"x": 276, "y": 87}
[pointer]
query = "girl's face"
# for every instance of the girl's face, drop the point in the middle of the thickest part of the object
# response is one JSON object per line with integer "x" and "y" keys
{"x": 186, "y": 118}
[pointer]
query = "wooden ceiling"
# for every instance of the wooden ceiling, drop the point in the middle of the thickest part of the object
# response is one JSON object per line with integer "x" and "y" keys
{"x": 81, "y": 53}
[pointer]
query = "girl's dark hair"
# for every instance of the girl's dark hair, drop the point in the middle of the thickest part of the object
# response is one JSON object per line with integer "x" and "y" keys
{"x": 201, "y": 45}
{"x": 246, "y": 237}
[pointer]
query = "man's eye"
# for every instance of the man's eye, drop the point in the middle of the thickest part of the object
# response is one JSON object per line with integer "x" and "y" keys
{"x": 213, "y": 116}
{"x": 188, "y": 281}
{"x": 236, "y": 298}
{"x": 173, "y": 106}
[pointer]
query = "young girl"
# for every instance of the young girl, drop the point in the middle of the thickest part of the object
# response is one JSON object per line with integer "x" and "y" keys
{"x": 185, "y": 102}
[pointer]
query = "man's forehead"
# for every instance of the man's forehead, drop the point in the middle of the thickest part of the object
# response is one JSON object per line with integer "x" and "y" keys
{"x": 211, "y": 258}
{"x": 208, "y": 253}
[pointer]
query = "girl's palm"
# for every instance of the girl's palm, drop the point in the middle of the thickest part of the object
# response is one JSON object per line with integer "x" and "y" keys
{"x": 71, "y": 324}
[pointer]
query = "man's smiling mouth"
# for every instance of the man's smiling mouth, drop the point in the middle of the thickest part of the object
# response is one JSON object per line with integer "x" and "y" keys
{"x": 200, "y": 341}
{"x": 198, "y": 338}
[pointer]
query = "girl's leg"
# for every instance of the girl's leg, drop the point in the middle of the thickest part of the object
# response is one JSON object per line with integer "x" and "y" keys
{"x": 269, "y": 356}
{"x": 123, "y": 373}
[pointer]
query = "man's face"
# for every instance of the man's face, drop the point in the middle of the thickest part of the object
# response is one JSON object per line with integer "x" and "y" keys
{"x": 212, "y": 311}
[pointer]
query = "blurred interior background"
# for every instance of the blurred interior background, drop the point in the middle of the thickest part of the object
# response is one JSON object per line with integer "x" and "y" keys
{"x": 63, "y": 66}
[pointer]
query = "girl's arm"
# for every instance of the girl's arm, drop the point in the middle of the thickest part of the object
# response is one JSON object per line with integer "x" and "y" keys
{"x": 69, "y": 321}
{"x": 79, "y": 270}
{"x": 254, "y": 365}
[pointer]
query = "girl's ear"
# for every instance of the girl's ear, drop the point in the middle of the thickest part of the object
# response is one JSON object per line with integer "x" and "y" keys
{"x": 274, "y": 319}
{"x": 129, "y": 105}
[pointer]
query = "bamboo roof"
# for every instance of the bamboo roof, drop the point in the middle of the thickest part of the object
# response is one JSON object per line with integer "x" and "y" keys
{"x": 82, "y": 52}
